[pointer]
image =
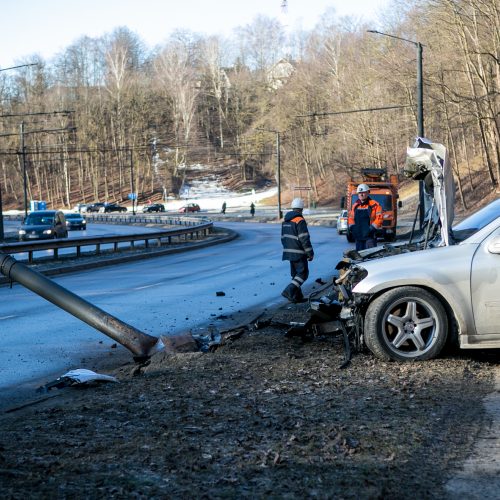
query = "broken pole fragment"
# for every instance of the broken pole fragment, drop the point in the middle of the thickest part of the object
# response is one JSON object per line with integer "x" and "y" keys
{"x": 140, "y": 344}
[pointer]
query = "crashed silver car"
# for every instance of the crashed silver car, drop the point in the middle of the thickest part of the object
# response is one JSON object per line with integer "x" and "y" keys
{"x": 407, "y": 301}
{"x": 411, "y": 304}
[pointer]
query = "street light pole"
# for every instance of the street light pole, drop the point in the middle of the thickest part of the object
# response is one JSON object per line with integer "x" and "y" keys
{"x": 2, "y": 234}
{"x": 132, "y": 180}
{"x": 420, "y": 91}
{"x": 25, "y": 180}
{"x": 278, "y": 179}
{"x": 278, "y": 166}
{"x": 420, "y": 110}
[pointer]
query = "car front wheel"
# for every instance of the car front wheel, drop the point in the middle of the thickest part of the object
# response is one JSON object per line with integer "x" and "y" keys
{"x": 406, "y": 324}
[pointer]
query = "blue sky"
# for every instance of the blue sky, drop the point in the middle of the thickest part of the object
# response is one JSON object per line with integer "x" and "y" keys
{"x": 47, "y": 27}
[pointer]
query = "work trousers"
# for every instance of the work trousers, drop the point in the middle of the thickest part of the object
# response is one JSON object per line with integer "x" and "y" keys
{"x": 368, "y": 243}
{"x": 299, "y": 270}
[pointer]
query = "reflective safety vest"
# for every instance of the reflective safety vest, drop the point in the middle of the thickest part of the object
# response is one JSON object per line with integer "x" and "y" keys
{"x": 295, "y": 237}
{"x": 365, "y": 215}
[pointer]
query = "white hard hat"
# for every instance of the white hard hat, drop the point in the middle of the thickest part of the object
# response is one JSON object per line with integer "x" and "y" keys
{"x": 297, "y": 203}
{"x": 362, "y": 188}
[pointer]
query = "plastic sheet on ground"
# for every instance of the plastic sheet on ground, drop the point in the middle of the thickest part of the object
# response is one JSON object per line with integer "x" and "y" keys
{"x": 78, "y": 377}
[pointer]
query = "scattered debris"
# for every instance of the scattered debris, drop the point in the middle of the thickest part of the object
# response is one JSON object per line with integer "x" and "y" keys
{"x": 258, "y": 325}
{"x": 79, "y": 377}
{"x": 220, "y": 294}
{"x": 184, "y": 342}
{"x": 207, "y": 338}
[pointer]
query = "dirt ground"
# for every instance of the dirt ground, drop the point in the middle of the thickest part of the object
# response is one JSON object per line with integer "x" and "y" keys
{"x": 264, "y": 416}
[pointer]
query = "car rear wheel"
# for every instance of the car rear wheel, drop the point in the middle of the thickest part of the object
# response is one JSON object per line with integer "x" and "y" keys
{"x": 406, "y": 324}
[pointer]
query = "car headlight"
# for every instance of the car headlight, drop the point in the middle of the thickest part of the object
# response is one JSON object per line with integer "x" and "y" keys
{"x": 84, "y": 221}
{"x": 47, "y": 231}
{"x": 22, "y": 231}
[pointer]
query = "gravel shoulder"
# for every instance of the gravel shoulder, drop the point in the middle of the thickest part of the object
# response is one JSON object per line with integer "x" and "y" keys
{"x": 262, "y": 416}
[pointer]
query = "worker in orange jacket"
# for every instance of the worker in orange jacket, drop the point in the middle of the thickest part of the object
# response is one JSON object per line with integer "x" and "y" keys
{"x": 365, "y": 219}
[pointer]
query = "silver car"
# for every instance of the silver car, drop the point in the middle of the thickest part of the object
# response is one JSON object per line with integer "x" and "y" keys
{"x": 412, "y": 304}
{"x": 342, "y": 224}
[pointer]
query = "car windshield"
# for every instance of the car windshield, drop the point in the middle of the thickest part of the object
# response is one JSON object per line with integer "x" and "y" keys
{"x": 73, "y": 216}
{"x": 476, "y": 221}
{"x": 36, "y": 219}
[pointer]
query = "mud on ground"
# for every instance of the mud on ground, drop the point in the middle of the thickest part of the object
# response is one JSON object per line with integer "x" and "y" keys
{"x": 262, "y": 416}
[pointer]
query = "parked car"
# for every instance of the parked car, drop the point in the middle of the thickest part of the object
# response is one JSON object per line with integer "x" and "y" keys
{"x": 190, "y": 207}
{"x": 154, "y": 207}
{"x": 80, "y": 207}
{"x": 95, "y": 207}
{"x": 43, "y": 224}
{"x": 414, "y": 302}
{"x": 75, "y": 221}
{"x": 112, "y": 207}
{"x": 342, "y": 225}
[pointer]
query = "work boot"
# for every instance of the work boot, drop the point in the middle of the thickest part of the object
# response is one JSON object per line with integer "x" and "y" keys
{"x": 289, "y": 293}
{"x": 299, "y": 297}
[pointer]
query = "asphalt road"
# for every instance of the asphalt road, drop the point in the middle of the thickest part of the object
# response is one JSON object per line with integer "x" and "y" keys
{"x": 160, "y": 296}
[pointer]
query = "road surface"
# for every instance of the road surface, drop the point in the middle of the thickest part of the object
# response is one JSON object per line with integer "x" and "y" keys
{"x": 160, "y": 296}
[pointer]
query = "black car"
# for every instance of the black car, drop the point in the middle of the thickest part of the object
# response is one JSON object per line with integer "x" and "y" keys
{"x": 43, "y": 224}
{"x": 75, "y": 221}
{"x": 95, "y": 207}
{"x": 113, "y": 207}
{"x": 154, "y": 207}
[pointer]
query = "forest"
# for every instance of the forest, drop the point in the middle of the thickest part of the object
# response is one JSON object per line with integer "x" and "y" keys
{"x": 107, "y": 117}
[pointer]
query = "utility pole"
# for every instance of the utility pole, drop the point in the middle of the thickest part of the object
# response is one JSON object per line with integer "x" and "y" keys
{"x": 278, "y": 163}
{"x": 25, "y": 180}
{"x": 278, "y": 166}
{"x": 420, "y": 110}
{"x": 132, "y": 180}
{"x": 2, "y": 234}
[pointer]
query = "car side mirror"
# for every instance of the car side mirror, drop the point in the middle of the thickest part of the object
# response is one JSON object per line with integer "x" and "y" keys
{"x": 494, "y": 245}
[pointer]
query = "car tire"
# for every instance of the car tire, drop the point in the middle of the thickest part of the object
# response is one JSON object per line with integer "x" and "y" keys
{"x": 406, "y": 324}
{"x": 349, "y": 236}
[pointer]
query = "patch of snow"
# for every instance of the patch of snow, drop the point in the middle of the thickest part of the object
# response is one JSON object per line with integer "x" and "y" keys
{"x": 210, "y": 196}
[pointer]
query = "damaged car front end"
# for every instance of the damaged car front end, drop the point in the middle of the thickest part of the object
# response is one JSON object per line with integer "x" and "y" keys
{"x": 406, "y": 301}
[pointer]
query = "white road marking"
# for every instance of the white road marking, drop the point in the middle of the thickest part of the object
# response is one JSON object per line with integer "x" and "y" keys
{"x": 147, "y": 286}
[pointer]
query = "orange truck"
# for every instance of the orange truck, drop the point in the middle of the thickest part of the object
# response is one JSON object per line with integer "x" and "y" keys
{"x": 383, "y": 189}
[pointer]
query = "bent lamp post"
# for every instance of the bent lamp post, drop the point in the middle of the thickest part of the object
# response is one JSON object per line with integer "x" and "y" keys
{"x": 140, "y": 344}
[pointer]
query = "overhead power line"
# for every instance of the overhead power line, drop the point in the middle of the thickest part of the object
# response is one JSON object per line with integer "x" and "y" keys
{"x": 353, "y": 111}
{"x": 37, "y": 114}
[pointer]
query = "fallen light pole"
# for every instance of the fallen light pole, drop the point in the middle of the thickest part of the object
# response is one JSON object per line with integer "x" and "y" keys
{"x": 140, "y": 344}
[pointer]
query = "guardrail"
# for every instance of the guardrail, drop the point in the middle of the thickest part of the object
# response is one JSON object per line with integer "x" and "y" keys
{"x": 194, "y": 229}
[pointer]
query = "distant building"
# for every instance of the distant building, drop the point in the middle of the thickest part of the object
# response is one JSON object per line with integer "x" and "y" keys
{"x": 278, "y": 75}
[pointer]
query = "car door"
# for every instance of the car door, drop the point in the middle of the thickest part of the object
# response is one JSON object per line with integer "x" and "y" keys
{"x": 485, "y": 285}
